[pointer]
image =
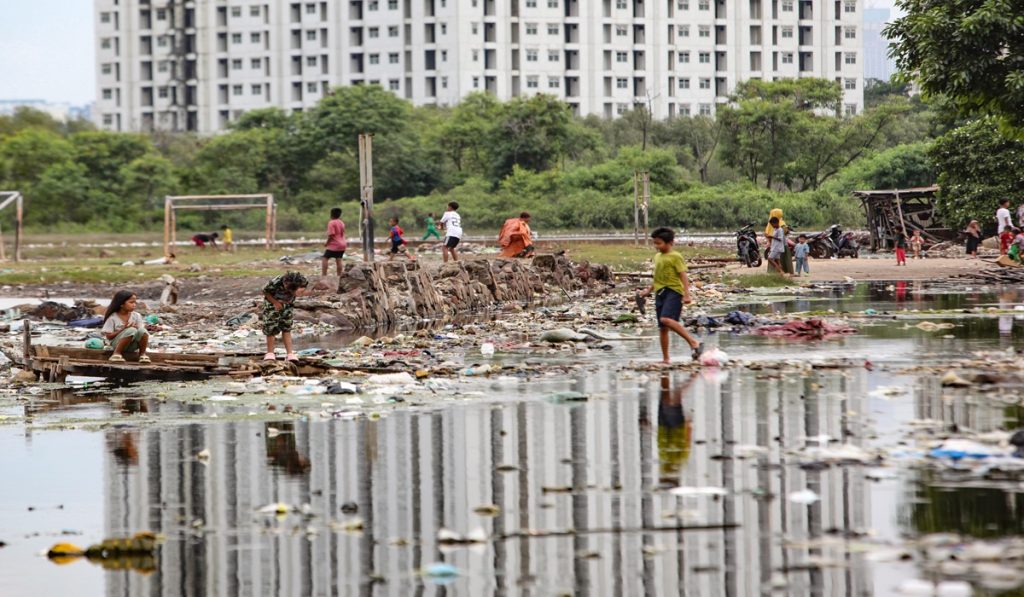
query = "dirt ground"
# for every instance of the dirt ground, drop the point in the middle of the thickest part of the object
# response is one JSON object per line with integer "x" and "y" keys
{"x": 826, "y": 270}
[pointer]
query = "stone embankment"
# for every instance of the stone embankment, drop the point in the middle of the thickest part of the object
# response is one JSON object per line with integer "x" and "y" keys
{"x": 384, "y": 294}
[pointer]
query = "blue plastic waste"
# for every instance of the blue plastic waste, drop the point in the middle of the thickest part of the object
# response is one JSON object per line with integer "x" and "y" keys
{"x": 739, "y": 318}
{"x": 89, "y": 322}
{"x": 441, "y": 572}
{"x": 955, "y": 454}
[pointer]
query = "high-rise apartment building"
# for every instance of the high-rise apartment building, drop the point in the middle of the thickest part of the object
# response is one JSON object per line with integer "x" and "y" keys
{"x": 877, "y": 63}
{"x": 199, "y": 64}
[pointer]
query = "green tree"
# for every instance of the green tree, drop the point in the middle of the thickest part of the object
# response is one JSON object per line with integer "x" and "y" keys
{"x": 830, "y": 144}
{"x": 901, "y": 167}
{"x": 970, "y": 51}
{"x": 532, "y": 133}
{"x": 25, "y": 155}
{"x": 877, "y": 91}
{"x": 464, "y": 135}
{"x": 978, "y": 164}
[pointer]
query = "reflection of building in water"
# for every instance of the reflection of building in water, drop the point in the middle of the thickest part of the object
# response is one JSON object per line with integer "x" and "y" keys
{"x": 416, "y": 471}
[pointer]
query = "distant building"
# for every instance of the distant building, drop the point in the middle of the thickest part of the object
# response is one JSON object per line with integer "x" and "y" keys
{"x": 59, "y": 111}
{"x": 198, "y": 66}
{"x": 877, "y": 64}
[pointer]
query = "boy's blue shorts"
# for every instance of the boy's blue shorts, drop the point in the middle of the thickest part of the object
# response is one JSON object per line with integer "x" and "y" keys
{"x": 668, "y": 303}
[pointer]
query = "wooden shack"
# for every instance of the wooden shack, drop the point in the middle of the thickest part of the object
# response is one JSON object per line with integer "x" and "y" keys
{"x": 902, "y": 210}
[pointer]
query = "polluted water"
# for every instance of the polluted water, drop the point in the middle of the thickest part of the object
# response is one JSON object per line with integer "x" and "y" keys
{"x": 842, "y": 466}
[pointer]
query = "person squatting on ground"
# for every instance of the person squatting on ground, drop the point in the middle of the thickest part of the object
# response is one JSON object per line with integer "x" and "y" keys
{"x": 336, "y": 244}
{"x": 124, "y": 327}
{"x": 901, "y": 248}
{"x": 431, "y": 228}
{"x": 778, "y": 246}
{"x": 398, "y": 244}
{"x": 1016, "y": 250}
{"x": 200, "y": 240}
{"x": 278, "y": 297}
{"x": 671, "y": 288}
{"x": 1004, "y": 228}
{"x": 973, "y": 233}
{"x": 800, "y": 253}
{"x": 516, "y": 238}
{"x": 451, "y": 221}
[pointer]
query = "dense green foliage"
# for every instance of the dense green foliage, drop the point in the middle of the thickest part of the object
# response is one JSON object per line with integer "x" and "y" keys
{"x": 978, "y": 165}
{"x": 778, "y": 144}
{"x": 969, "y": 51}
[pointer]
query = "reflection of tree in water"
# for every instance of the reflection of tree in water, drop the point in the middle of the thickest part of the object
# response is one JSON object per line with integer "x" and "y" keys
{"x": 282, "y": 450}
{"x": 675, "y": 431}
{"x": 981, "y": 512}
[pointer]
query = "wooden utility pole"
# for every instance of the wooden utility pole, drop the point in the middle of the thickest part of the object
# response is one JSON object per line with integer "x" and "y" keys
{"x": 641, "y": 203}
{"x": 636, "y": 208}
{"x": 366, "y": 192}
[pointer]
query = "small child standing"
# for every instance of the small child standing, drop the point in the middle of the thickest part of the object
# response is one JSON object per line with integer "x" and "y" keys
{"x": 800, "y": 252}
{"x": 398, "y": 244}
{"x": 451, "y": 221}
{"x": 778, "y": 246}
{"x": 916, "y": 244}
{"x": 336, "y": 244}
{"x": 278, "y": 296}
{"x": 901, "y": 248}
{"x": 124, "y": 327}
{"x": 228, "y": 238}
{"x": 671, "y": 288}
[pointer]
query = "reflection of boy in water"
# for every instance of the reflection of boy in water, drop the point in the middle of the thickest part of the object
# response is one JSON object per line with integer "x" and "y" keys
{"x": 675, "y": 432}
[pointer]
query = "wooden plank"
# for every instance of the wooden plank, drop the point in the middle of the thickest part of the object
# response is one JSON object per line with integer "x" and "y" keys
{"x": 26, "y": 341}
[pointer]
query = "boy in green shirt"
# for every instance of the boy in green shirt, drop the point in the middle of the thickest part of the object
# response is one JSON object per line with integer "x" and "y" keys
{"x": 431, "y": 228}
{"x": 671, "y": 289}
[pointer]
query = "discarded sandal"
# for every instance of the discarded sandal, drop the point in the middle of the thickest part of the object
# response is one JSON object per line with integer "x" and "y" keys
{"x": 145, "y": 359}
{"x": 270, "y": 357}
{"x": 292, "y": 357}
{"x": 116, "y": 358}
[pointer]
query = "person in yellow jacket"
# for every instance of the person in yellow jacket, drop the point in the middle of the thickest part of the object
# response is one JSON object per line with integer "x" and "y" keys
{"x": 227, "y": 238}
{"x": 786, "y": 261}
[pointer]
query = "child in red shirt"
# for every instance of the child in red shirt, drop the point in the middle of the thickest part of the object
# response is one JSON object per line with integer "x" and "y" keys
{"x": 398, "y": 244}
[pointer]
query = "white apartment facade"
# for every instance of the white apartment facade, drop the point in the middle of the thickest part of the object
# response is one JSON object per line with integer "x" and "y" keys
{"x": 198, "y": 65}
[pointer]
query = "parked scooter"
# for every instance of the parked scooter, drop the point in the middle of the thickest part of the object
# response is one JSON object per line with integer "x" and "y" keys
{"x": 845, "y": 245}
{"x": 821, "y": 245}
{"x": 746, "y": 246}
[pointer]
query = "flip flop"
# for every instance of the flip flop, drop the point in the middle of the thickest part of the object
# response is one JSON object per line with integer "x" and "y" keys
{"x": 697, "y": 351}
{"x": 116, "y": 358}
{"x": 270, "y": 357}
{"x": 145, "y": 359}
{"x": 292, "y": 357}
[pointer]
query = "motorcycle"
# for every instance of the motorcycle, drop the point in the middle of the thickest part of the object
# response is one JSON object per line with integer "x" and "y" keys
{"x": 746, "y": 246}
{"x": 832, "y": 243}
{"x": 821, "y": 245}
{"x": 845, "y": 244}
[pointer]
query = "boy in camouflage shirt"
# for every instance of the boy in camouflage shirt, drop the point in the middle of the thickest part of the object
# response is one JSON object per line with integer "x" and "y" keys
{"x": 278, "y": 296}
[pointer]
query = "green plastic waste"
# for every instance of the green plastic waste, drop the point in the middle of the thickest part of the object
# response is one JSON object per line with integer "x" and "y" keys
{"x": 152, "y": 319}
{"x": 94, "y": 343}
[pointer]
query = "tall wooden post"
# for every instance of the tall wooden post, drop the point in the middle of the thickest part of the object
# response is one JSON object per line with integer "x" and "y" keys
{"x": 366, "y": 192}
{"x": 270, "y": 221}
{"x": 168, "y": 206}
{"x": 19, "y": 216}
{"x": 645, "y": 201}
{"x": 273, "y": 228}
{"x": 636, "y": 208}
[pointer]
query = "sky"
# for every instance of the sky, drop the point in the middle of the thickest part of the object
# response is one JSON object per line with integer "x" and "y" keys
{"x": 47, "y": 50}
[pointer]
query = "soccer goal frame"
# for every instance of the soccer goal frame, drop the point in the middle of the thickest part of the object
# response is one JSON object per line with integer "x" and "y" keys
{"x": 6, "y": 199}
{"x": 175, "y": 203}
